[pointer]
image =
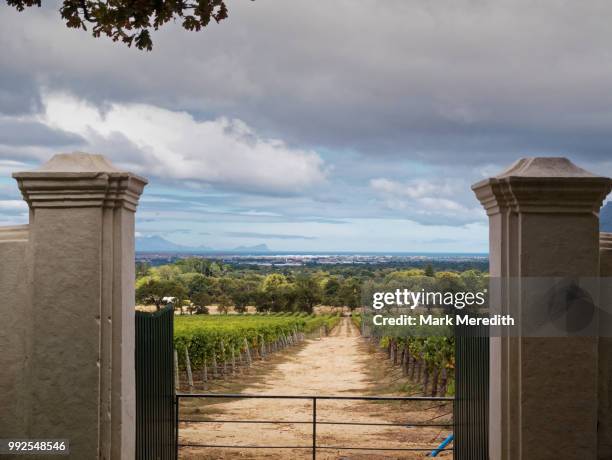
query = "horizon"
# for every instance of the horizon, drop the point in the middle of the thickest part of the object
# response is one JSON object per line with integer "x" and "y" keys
{"x": 264, "y": 249}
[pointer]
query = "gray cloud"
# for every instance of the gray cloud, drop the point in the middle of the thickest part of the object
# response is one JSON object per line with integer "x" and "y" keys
{"x": 402, "y": 90}
{"x": 417, "y": 79}
{"x": 29, "y": 133}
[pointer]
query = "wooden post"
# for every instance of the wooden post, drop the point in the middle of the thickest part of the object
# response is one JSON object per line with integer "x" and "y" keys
{"x": 224, "y": 359}
{"x": 444, "y": 382}
{"x": 188, "y": 366}
{"x": 177, "y": 380}
{"x": 263, "y": 349}
{"x": 248, "y": 352}
{"x": 434, "y": 382}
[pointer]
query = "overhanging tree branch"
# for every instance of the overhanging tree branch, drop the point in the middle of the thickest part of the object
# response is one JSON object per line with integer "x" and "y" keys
{"x": 131, "y": 21}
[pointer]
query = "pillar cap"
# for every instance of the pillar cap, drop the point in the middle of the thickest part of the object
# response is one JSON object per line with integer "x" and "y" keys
{"x": 543, "y": 185}
{"x": 544, "y": 167}
{"x": 79, "y": 180}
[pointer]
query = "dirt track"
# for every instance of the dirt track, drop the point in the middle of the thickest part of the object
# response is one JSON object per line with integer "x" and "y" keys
{"x": 334, "y": 365}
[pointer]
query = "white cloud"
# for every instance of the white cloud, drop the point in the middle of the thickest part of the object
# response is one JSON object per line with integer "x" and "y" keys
{"x": 418, "y": 188}
{"x": 13, "y": 205}
{"x": 7, "y": 167}
{"x": 174, "y": 145}
{"x": 425, "y": 200}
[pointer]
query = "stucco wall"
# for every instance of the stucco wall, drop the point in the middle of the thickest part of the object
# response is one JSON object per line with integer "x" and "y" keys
{"x": 16, "y": 320}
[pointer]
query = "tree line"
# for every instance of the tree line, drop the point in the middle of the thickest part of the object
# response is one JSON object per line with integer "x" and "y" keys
{"x": 196, "y": 283}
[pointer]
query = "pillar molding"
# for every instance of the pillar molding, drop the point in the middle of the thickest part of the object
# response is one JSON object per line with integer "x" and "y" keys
{"x": 80, "y": 180}
{"x": 81, "y": 258}
{"x": 543, "y": 222}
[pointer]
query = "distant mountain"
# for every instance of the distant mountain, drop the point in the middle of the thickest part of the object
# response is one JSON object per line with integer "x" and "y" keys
{"x": 605, "y": 218}
{"x": 156, "y": 243}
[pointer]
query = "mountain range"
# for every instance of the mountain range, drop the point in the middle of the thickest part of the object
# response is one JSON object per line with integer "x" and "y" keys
{"x": 156, "y": 243}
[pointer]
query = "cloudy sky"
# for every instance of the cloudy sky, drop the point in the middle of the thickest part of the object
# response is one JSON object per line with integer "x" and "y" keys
{"x": 337, "y": 125}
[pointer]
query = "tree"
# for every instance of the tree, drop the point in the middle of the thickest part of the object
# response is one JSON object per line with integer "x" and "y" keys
{"x": 165, "y": 272}
{"x": 243, "y": 292}
{"x": 224, "y": 303}
{"x": 142, "y": 269}
{"x": 276, "y": 293}
{"x": 154, "y": 290}
{"x": 330, "y": 291}
{"x": 350, "y": 293}
{"x": 131, "y": 22}
{"x": 194, "y": 265}
{"x": 307, "y": 293}
{"x": 197, "y": 283}
{"x": 200, "y": 300}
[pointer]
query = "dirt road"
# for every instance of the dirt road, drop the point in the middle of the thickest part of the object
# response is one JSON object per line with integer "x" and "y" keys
{"x": 334, "y": 365}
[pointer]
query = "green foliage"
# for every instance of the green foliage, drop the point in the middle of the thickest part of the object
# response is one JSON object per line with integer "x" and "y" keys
{"x": 404, "y": 275}
{"x": 142, "y": 269}
{"x": 350, "y": 293}
{"x": 208, "y": 336}
{"x": 307, "y": 293}
{"x": 132, "y": 22}
{"x": 151, "y": 290}
{"x": 276, "y": 289}
{"x": 224, "y": 303}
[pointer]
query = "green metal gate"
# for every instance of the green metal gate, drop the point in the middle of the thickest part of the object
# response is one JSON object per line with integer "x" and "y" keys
{"x": 155, "y": 409}
{"x": 471, "y": 407}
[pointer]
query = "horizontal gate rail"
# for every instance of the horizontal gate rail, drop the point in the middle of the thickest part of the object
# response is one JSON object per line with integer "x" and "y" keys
{"x": 407, "y": 425}
{"x": 314, "y": 422}
{"x": 307, "y": 397}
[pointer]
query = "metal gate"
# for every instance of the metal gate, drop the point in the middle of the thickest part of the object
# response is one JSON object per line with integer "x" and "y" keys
{"x": 155, "y": 408}
{"x": 471, "y": 406}
{"x": 315, "y": 445}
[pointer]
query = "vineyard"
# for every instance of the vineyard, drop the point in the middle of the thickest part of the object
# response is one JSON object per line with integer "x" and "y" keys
{"x": 219, "y": 344}
{"x": 426, "y": 360}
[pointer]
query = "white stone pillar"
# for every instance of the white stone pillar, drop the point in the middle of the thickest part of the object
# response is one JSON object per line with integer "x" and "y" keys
{"x": 543, "y": 218}
{"x": 81, "y": 367}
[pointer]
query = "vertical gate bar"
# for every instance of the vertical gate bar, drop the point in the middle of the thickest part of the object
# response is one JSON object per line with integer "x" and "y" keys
{"x": 176, "y": 431}
{"x": 155, "y": 411}
{"x": 314, "y": 428}
{"x": 471, "y": 405}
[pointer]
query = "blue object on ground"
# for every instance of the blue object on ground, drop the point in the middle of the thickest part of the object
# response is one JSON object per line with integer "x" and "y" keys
{"x": 446, "y": 442}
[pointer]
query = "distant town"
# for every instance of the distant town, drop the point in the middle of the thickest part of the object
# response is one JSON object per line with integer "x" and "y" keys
{"x": 309, "y": 259}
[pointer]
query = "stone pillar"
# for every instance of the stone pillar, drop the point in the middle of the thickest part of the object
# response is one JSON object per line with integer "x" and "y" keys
{"x": 604, "y": 426}
{"x": 81, "y": 367}
{"x": 543, "y": 222}
{"x": 16, "y": 315}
